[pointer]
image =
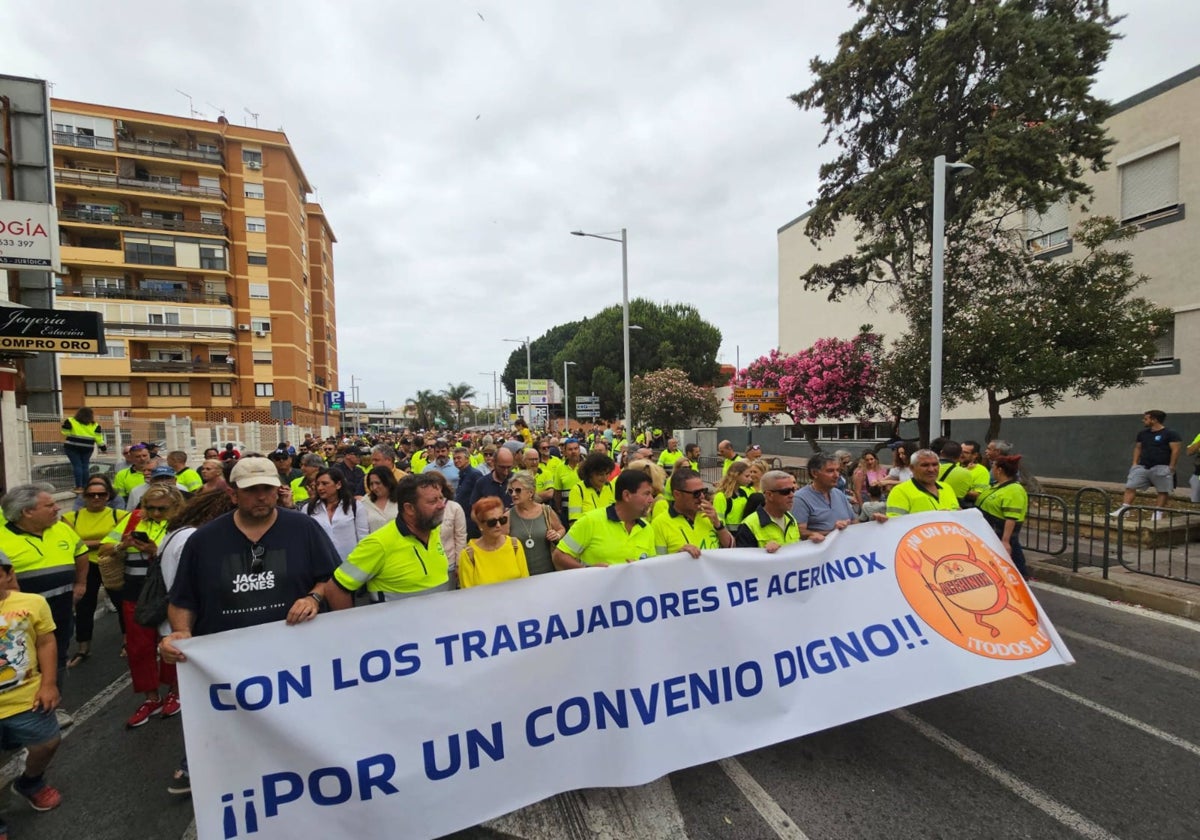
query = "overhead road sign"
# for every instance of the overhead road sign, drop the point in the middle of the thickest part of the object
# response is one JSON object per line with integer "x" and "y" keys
{"x": 759, "y": 407}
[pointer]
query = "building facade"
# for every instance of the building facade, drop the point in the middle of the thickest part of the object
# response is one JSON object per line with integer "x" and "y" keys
{"x": 1153, "y": 173}
{"x": 214, "y": 272}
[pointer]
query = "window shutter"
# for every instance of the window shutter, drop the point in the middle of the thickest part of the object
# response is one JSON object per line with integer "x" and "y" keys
{"x": 1150, "y": 184}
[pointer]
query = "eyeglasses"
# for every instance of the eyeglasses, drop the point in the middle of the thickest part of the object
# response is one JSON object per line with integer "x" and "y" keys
{"x": 155, "y": 508}
{"x": 492, "y": 523}
{"x": 783, "y": 491}
{"x": 696, "y": 494}
{"x": 516, "y": 489}
{"x": 257, "y": 553}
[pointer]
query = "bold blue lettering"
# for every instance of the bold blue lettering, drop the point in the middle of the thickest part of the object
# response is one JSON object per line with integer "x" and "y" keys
{"x": 476, "y": 742}
{"x": 585, "y": 716}
{"x": 605, "y": 710}
{"x": 622, "y": 613}
{"x": 849, "y": 645}
{"x": 873, "y": 565}
{"x": 383, "y": 780}
{"x": 473, "y": 642}
{"x": 214, "y": 697}
{"x": 674, "y": 694}
{"x": 597, "y": 620}
{"x": 243, "y": 693}
{"x": 822, "y": 662}
{"x": 503, "y": 640}
{"x": 891, "y": 646}
{"x": 745, "y": 689}
{"x": 670, "y": 604}
{"x": 833, "y": 569}
{"x": 710, "y": 689}
{"x": 709, "y": 596}
{"x": 273, "y": 797}
{"x": 340, "y": 682}
{"x": 447, "y": 643}
{"x": 341, "y": 793}
{"x": 856, "y": 570}
{"x": 530, "y": 632}
{"x": 435, "y": 773}
{"x": 647, "y": 711}
{"x": 785, "y": 668}
{"x": 790, "y": 582}
{"x": 651, "y": 605}
{"x": 773, "y": 588}
{"x": 384, "y": 668}
{"x": 555, "y": 629}
{"x": 407, "y": 659}
{"x": 288, "y": 682}
{"x": 531, "y": 736}
{"x": 690, "y": 597}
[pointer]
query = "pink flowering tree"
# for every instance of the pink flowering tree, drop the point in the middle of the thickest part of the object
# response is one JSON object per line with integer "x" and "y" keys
{"x": 834, "y": 378}
{"x": 667, "y": 399}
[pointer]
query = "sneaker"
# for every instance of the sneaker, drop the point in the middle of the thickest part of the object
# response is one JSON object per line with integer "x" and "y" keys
{"x": 44, "y": 798}
{"x": 144, "y": 712}
{"x": 170, "y": 706}
{"x": 1159, "y": 514}
{"x": 181, "y": 783}
{"x": 64, "y": 719}
{"x": 1116, "y": 513}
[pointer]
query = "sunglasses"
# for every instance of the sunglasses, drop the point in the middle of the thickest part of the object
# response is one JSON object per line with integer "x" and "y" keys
{"x": 784, "y": 491}
{"x": 155, "y": 508}
{"x": 257, "y": 553}
{"x": 702, "y": 493}
{"x": 96, "y": 495}
{"x": 492, "y": 523}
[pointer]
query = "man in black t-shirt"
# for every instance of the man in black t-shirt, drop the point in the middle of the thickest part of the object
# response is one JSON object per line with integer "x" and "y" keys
{"x": 1154, "y": 455}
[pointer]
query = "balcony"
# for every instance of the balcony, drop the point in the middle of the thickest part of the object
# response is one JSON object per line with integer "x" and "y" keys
{"x": 110, "y": 181}
{"x": 155, "y": 295}
{"x": 83, "y": 141}
{"x": 157, "y": 366}
{"x": 119, "y": 219}
{"x": 142, "y": 147}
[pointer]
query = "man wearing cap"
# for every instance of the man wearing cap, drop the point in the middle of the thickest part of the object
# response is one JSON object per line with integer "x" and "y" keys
{"x": 158, "y": 474}
{"x": 356, "y": 476}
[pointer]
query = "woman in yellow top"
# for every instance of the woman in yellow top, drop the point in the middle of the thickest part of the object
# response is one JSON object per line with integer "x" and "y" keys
{"x": 495, "y": 556}
{"x": 593, "y": 490}
{"x": 93, "y": 522}
{"x": 1005, "y": 505}
{"x": 732, "y": 493}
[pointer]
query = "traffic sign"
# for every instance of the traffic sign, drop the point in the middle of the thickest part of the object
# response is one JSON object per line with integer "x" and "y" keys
{"x": 335, "y": 400}
{"x": 761, "y": 407}
{"x": 749, "y": 394}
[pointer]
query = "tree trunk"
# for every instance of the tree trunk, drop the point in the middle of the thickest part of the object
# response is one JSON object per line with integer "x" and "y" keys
{"x": 993, "y": 430}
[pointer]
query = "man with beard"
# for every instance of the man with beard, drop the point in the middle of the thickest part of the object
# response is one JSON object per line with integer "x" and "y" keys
{"x": 405, "y": 557}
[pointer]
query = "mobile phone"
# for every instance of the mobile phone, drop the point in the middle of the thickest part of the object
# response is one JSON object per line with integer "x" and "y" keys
{"x": 140, "y": 536}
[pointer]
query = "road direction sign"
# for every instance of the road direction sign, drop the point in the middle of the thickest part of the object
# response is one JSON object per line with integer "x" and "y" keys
{"x": 753, "y": 394}
{"x": 762, "y": 407}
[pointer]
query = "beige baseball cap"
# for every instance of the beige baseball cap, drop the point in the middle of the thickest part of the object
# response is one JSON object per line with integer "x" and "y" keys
{"x": 253, "y": 472}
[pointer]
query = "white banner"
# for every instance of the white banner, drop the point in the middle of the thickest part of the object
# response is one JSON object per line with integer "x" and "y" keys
{"x": 426, "y": 716}
{"x": 28, "y": 235}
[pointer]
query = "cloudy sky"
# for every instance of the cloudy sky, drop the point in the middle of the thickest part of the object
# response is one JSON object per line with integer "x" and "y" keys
{"x": 455, "y": 144}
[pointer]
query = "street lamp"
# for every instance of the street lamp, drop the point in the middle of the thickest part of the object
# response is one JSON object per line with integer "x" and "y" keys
{"x": 624, "y": 240}
{"x": 936, "y": 282}
{"x": 566, "y": 401}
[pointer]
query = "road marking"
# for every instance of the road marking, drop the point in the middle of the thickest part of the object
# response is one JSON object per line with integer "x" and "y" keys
{"x": 1069, "y": 817}
{"x": 189, "y": 833}
{"x": 15, "y": 765}
{"x": 767, "y": 807}
{"x": 1162, "y": 735}
{"x": 1132, "y": 609}
{"x": 1132, "y": 654}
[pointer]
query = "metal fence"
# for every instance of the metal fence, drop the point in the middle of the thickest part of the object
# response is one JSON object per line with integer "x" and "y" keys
{"x": 1157, "y": 541}
{"x": 1045, "y": 528}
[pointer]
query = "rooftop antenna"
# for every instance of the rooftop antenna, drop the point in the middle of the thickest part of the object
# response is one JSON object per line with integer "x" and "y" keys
{"x": 252, "y": 114}
{"x": 220, "y": 111}
{"x": 191, "y": 105}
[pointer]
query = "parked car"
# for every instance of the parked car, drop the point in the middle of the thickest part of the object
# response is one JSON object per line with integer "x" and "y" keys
{"x": 62, "y": 475}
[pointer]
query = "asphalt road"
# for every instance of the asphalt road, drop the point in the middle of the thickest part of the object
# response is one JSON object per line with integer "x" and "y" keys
{"x": 1106, "y": 748}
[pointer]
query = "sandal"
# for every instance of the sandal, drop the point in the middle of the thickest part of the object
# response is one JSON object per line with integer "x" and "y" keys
{"x": 79, "y": 658}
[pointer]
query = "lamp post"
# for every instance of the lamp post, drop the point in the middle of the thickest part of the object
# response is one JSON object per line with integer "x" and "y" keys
{"x": 495, "y": 392}
{"x": 936, "y": 282}
{"x": 624, "y": 240}
{"x": 566, "y": 401}
{"x": 357, "y": 410}
{"x": 528, "y": 372}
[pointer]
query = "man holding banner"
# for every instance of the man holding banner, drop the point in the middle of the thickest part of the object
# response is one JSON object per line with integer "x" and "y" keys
{"x": 772, "y": 526}
{"x": 614, "y": 534}
{"x": 923, "y": 492}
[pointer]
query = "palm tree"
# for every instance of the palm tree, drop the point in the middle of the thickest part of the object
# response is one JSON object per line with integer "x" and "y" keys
{"x": 427, "y": 406}
{"x": 456, "y": 394}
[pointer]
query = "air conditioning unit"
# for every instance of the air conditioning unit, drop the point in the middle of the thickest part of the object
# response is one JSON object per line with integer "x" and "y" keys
{"x": 244, "y": 327}
{"x": 261, "y": 333}
{"x": 253, "y": 164}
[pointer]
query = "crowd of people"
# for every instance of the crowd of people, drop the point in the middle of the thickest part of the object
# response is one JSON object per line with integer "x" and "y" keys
{"x": 330, "y": 524}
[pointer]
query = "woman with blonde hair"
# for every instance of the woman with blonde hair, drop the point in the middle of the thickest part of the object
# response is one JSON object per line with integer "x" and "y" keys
{"x": 534, "y": 523}
{"x": 138, "y": 540}
{"x": 733, "y": 493}
{"x": 658, "y": 480}
{"x": 496, "y": 556}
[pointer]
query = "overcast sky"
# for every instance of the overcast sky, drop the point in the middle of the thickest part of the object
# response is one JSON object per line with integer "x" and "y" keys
{"x": 455, "y": 144}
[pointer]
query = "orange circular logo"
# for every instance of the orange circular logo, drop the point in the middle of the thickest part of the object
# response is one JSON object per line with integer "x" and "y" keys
{"x": 968, "y": 593}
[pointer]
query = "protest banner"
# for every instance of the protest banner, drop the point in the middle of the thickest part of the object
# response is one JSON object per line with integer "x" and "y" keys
{"x": 429, "y": 715}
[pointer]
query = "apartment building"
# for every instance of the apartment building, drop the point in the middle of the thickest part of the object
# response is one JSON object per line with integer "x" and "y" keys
{"x": 214, "y": 272}
{"x": 1153, "y": 173}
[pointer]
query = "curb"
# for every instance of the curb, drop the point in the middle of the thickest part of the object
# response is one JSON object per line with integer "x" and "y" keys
{"x": 1177, "y": 605}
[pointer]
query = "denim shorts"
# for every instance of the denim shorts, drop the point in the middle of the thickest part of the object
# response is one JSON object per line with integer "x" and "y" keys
{"x": 28, "y": 729}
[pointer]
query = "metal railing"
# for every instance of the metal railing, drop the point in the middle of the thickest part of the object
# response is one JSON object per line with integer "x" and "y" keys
{"x": 143, "y": 147}
{"x": 109, "y": 180}
{"x": 166, "y": 366}
{"x": 119, "y": 219}
{"x": 1159, "y": 543}
{"x": 146, "y": 294}
{"x": 1090, "y": 501}
{"x": 83, "y": 141}
{"x": 1045, "y": 528}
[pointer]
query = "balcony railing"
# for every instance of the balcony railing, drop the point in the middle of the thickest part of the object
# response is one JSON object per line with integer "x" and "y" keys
{"x": 82, "y": 141}
{"x": 156, "y": 295}
{"x": 108, "y": 180}
{"x": 157, "y": 366}
{"x": 119, "y": 219}
{"x": 141, "y": 147}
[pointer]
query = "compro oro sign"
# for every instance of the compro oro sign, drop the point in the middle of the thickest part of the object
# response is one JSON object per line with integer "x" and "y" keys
{"x": 28, "y": 235}
{"x": 50, "y": 331}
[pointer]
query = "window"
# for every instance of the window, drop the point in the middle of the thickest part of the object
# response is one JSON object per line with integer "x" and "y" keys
{"x": 148, "y": 250}
{"x": 169, "y": 355}
{"x": 112, "y": 351}
{"x": 260, "y": 324}
{"x": 256, "y": 224}
{"x": 210, "y": 184}
{"x": 168, "y": 389}
{"x": 211, "y": 148}
{"x": 212, "y": 258}
{"x": 210, "y": 218}
{"x": 264, "y": 389}
{"x": 1049, "y": 229}
{"x": 262, "y": 357}
{"x": 222, "y": 389}
{"x": 1150, "y": 184}
{"x": 1164, "y": 343}
{"x": 256, "y": 258}
{"x": 260, "y": 291}
{"x": 164, "y": 318}
{"x": 104, "y": 283}
{"x": 252, "y": 156}
{"x": 253, "y": 190}
{"x": 106, "y": 389}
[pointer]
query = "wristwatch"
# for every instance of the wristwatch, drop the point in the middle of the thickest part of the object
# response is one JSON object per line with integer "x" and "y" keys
{"x": 316, "y": 596}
